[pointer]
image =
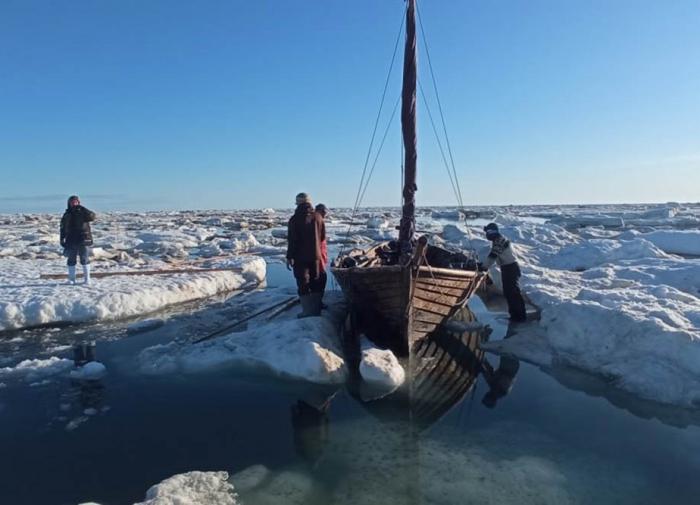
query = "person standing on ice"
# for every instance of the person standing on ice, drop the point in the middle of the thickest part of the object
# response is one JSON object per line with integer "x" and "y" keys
{"x": 305, "y": 233}
{"x": 76, "y": 236}
{"x": 323, "y": 276}
{"x": 502, "y": 254}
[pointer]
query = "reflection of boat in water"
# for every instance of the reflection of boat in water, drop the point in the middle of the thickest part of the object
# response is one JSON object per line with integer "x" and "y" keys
{"x": 442, "y": 369}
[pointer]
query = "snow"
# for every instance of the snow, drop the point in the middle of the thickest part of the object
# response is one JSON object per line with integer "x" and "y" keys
{"x": 34, "y": 370}
{"x": 191, "y": 488}
{"x": 93, "y": 370}
{"x": 306, "y": 349}
{"x": 616, "y": 300}
{"x": 621, "y": 309}
{"x": 377, "y": 222}
{"x": 380, "y": 366}
{"x": 28, "y": 301}
{"x": 594, "y": 252}
{"x": 686, "y": 242}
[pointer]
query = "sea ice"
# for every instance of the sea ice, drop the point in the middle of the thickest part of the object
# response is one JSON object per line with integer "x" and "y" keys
{"x": 34, "y": 370}
{"x": 27, "y": 301}
{"x": 93, "y": 370}
{"x": 380, "y": 366}
{"x": 686, "y": 242}
{"x": 307, "y": 349}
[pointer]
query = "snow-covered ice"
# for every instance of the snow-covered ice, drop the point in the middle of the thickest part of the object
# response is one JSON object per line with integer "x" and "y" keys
{"x": 26, "y": 300}
{"x": 620, "y": 307}
{"x": 380, "y": 366}
{"x": 91, "y": 371}
{"x": 191, "y": 488}
{"x": 618, "y": 286}
{"x": 35, "y": 370}
{"x": 307, "y": 349}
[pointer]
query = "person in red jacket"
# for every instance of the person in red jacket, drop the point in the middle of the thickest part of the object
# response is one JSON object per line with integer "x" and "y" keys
{"x": 305, "y": 232}
{"x": 323, "y": 278}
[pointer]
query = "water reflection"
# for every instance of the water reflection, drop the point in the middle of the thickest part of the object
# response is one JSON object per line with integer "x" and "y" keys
{"x": 310, "y": 426}
{"x": 442, "y": 370}
{"x": 501, "y": 379}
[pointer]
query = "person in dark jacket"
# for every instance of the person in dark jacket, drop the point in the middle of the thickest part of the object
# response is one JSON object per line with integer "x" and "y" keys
{"x": 306, "y": 231}
{"x": 76, "y": 236}
{"x": 323, "y": 277}
{"x": 502, "y": 254}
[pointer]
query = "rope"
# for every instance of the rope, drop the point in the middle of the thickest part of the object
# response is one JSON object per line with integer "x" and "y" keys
{"x": 360, "y": 191}
{"x": 379, "y": 150}
{"x": 437, "y": 138}
{"x": 456, "y": 186}
{"x": 437, "y": 96}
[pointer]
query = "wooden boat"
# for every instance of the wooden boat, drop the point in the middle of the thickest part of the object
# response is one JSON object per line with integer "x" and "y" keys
{"x": 401, "y": 291}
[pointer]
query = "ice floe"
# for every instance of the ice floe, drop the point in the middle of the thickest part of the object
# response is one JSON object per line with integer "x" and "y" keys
{"x": 634, "y": 321}
{"x": 616, "y": 300}
{"x": 307, "y": 349}
{"x": 26, "y": 300}
{"x": 685, "y": 242}
{"x": 34, "y": 370}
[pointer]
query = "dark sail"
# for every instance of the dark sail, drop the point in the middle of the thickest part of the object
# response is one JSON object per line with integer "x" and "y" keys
{"x": 408, "y": 128}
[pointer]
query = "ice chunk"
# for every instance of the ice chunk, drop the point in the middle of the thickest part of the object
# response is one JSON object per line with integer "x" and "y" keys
{"x": 306, "y": 349}
{"x": 93, "y": 370}
{"x": 192, "y": 488}
{"x": 33, "y": 370}
{"x": 380, "y": 366}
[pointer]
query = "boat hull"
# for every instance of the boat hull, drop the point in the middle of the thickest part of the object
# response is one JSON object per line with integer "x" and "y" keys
{"x": 397, "y": 306}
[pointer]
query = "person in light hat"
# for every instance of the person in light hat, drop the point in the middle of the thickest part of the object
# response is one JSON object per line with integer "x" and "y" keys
{"x": 502, "y": 254}
{"x": 305, "y": 233}
{"x": 76, "y": 237}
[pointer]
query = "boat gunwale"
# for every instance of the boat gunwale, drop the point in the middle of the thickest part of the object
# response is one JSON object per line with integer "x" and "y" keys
{"x": 447, "y": 272}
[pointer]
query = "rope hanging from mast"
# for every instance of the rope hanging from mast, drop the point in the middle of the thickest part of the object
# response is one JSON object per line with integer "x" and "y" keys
{"x": 365, "y": 183}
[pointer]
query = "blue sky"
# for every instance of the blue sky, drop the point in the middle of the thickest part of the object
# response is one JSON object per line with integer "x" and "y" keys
{"x": 241, "y": 104}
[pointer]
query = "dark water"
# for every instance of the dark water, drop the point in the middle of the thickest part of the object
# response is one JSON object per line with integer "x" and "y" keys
{"x": 555, "y": 438}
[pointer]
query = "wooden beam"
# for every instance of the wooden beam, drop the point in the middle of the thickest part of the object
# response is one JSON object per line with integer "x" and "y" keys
{"x": 145, "y": 272}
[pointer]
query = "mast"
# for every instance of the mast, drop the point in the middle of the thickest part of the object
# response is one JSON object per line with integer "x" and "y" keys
{"x": 408, "y": 129}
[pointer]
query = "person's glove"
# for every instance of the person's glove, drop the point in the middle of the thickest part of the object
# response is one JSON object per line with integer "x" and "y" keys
{"x": 481, "y": 267}
{"x": 290, "y": 263}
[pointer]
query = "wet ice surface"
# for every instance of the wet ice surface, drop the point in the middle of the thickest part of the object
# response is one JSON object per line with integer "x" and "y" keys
{"x": 620, "y": 317}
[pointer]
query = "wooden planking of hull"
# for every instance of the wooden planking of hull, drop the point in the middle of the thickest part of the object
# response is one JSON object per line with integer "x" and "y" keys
{"x": 396, "y": 306}
{"x": 445, "y": 366}
{"x": 447, "y": 363}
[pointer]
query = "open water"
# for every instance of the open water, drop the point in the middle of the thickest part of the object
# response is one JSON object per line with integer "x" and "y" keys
{"x": 557, "y": 437}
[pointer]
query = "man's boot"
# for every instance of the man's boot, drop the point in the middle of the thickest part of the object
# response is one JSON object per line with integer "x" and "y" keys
{"x": 71, "y": 274}
{"x": 86, "y": 273}
{"x": 305, "y": 306}
{"x": 315, "y": 304}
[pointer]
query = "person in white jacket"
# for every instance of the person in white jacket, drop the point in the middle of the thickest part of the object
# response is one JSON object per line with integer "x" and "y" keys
{"x": 502, "y": 254}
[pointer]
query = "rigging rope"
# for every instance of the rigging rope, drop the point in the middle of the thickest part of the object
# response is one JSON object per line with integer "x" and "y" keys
{"x": 379, "y": 149}
{"x": 437, "y": 138}
{"x": 456, "y": 185}
{"x": 437, "y": 96}
{"x": 360, "y": 191}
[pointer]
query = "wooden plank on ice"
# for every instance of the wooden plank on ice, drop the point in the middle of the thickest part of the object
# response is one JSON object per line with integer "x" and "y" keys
{"x": 170, "y": 271}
